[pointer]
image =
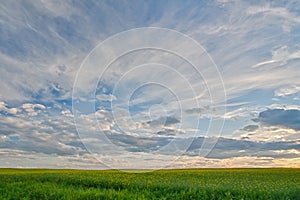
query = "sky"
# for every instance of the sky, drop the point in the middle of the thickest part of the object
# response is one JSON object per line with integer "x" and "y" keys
{"x": 149, "y": 84}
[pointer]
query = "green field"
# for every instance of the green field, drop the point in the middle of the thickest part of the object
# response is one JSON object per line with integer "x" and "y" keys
{"x": 163, "y": 184}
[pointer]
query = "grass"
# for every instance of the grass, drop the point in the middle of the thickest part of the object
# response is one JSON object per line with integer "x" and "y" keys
{"x": 163, "y": 184}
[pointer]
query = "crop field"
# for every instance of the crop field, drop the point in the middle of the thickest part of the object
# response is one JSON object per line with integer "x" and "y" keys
{"x": 162, "y": 184}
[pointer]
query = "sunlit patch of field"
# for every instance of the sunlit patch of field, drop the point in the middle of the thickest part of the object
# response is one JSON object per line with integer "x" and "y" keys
{"x": 162, "y": 184}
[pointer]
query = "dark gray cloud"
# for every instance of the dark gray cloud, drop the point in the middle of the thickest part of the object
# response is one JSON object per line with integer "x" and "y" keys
{"x": 224, "y": 148}
{"x": 165, "y": 121}
{"x": 194, "y": 110}
{"x": 170, "y": 132}
{"x": 138, "y": 144}
{"x": 229, "y": 148}
{"x": 281, "y": 117}
{"x": 199, "y": 110}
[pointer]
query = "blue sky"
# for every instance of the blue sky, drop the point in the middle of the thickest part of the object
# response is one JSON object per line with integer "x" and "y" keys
{"x": 63, "y": 106}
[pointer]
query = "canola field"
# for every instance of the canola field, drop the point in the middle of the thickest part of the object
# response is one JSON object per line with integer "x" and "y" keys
{"x": 163, "y": 184}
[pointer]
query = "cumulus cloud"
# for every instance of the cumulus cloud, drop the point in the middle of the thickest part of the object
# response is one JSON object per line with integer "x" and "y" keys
{"x": 33, "y": 109}
{"x": 4, "y": 108}
{"x": 67, "y": 113}
{"x": 32, "y": 130}
{"x": 2, "y": 105}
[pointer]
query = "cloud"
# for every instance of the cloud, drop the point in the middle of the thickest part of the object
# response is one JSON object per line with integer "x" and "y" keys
{"x": 204, "y": 111}
{"x": 286, "y": 91}
{"x": 284, "y": 106}
{"x": 280, "y": 12}
{"x": 229, "y": 148}
{"x": 168, "y": 144}
{"x": 32, "y": 130}
{"x": 25, "y": 159}
{"x": 4, "y": 108}
{"x": 250, "y": 128}
{"x": 33, "y": 109}
{"x": 138, "y": 144}
{"x": 170, "y": 132}
{"x": 241, "y": 112}
{"x": 280, "y": 57}
{"x": 59, "y": 38}
{"x": 57, "y": 137}
{"x": 281, "y": 117}
{"x": 105, "y": 97}
{"x": 267, "y": 133}
{"x": 2, "y": 105}
{"x": 67, "y": 113}
{"x": 163, "y": 121}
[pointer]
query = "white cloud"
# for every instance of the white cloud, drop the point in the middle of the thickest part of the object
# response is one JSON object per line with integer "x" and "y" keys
{"x": 67, "y": 113}
{"x": 285, "y": 91}
{"x": 3, "y": 107}
{"x": 242, "y": 112}
{"x": 284, "y": 106}
{"x": 33, "y": 109}
{"x": 65, "y": 9}
{"x": 105, "y": 97}
{"x": 280, "y": 12}
{"x": 280, "y": 57}
{"x": 268, "y": 133}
